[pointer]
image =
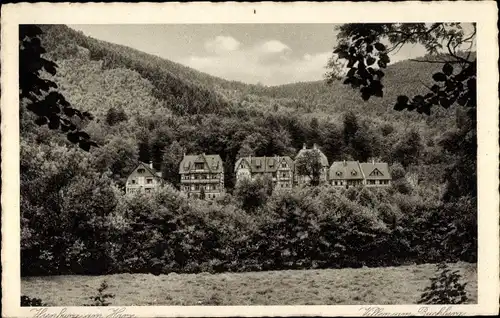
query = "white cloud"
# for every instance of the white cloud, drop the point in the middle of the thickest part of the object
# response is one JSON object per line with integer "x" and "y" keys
{"x": 248, "y": 66}
{"x": 222, "y": 44}
{"x": 273, "y": 46}
{"x": 271, "y": 62}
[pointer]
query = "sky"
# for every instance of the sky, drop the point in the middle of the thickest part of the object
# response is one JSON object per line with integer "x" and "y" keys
{"x": 269, "y": 54}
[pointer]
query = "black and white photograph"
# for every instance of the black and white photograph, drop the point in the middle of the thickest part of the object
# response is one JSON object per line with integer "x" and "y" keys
{"x": 251, "y": 164}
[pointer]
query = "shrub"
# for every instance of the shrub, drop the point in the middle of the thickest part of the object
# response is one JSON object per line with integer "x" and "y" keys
{"x": 445, "y": 288}
{"x": 31, "y": 302}
{"x": 100, "y": 299}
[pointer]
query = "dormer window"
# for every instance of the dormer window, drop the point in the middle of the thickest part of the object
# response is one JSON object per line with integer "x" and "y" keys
{"x": 283, "y": 165}
{"x": 338, "y": 173}
{"x": 354, "y": 172}
{"x": 141, "y": 170}
{"x": 199, "y": 166}
{"x": 376, "y": 172}
{"x": 257, "y": 163}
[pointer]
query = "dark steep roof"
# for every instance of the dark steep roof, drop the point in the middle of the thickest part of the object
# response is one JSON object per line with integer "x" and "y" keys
{"x": 263, "y": 164}
{"x": 212, "y": 163}
{"x": 151, "y": 171}
{"x": 345, "y": 170}
{"x": 376, "y": 171}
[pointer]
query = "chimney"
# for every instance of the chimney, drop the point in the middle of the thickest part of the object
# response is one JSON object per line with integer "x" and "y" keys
{"x": 373, "y": 161}
{"x": 315, "y": 146}
{"x": 345, "y": 164}
{"x": 183, "y": 154}
{"x": 304, "y": 146}
{"x": 151, "y": 164}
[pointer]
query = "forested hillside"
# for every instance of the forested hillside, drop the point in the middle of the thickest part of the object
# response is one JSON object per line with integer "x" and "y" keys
{"x": 150, "y": 102}
{"x": 147, "y": 108}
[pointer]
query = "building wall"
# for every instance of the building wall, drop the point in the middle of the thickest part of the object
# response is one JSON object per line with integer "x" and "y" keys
{"x": 377, "y": 183}
{"x": 303, "y": 180}
{"x": 193, "y": 182}
{"x": 142, "y": 182}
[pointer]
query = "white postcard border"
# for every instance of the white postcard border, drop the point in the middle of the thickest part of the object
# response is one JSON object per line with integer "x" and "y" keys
{"x": 483, "y": 13}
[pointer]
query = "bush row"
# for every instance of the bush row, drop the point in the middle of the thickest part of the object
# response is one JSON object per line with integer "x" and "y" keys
{"x": 318, "y": 227}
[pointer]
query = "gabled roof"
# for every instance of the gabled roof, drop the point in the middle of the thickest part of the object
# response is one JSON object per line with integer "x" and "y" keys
{"x": 376, "y": 171}
{"x": 323, "y": 159}
{"x": 212, "y": 163}
{"x": 345, "y": 170}
{"x": 152, "y": 171}
{"x": 263, "y": 164}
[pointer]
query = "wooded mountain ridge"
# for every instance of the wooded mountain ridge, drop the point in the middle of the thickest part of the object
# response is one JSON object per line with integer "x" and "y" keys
{"x": 145, "y": 105}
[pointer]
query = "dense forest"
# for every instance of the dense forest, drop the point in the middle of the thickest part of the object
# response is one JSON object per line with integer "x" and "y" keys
{"x": 150, "y": 109}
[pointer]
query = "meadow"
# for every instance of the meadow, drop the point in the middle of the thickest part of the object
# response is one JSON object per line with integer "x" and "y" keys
{"x": 385, "y": 285}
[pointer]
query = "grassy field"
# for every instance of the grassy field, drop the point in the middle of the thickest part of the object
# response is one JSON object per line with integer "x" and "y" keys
{"x": 389, "y": 285}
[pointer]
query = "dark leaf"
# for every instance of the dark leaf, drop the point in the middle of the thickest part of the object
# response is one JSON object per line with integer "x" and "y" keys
{"x": 381, "y": 64}
{"x": 370, "y": 60}
{"x": 68, "y": 111}
{"x": 64, "y": 128}
{"x": 351, "y": 62}
{"x": 471, "y": 84}
{"x": 49, "y": 66}
{"x": 83, "y": 135}
{"x": 85, "y": 145}
{"x": 380, "y": 74}
{"x": 379, "y": 46}
{"x": 351, "y": 72}
{"x": 445, "y": 102}
{"x": 369, "y": 48}
{"x": 402, "y": 99}
{"x": 54, "y": 122}
{"x": 41, "y": 121}
{"x": 462, "y": 99}
{"x": 447, "y": 69}
{"x": 439, "y": 77}
{"x": 366, "y": 93}
{"x": 88, "y": 115}
{"x": 385, "y": 58}
{"x": 72, "y": 137}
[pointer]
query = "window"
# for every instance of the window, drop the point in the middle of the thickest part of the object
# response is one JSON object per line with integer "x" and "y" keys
{"x": 148, "y": 189}
{"x": 283, "y": 175}
{"x": 133, "y": 181}
{"x": 149, "y": 180}
{"x": 141, "y": 170}
{"x": 338, "y": 173}
{"x": 197, "y": 187}
{"x": 354, "y": 172}
{"x": 283, "y": 165}
{"x": 199, "y": 166}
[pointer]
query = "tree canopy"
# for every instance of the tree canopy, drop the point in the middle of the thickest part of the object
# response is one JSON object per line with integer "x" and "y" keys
{"x": 40, "y": 94}
{"x": 366, "y": 47}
